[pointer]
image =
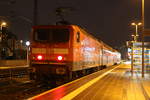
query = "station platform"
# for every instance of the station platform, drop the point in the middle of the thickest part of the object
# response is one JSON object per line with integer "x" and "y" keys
{"x": 13, "y": 67}
{"x": 112, "y": 83}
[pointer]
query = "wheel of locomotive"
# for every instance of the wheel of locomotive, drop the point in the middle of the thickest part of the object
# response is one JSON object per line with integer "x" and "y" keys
{"x": 31, "y": 73}
{"x": 74, "y": 75}
{"x": 69, "y": 76}
{"x": 84, "y": 72}
{"x": 35, "y": 76}
{"x": 38, "y": 77}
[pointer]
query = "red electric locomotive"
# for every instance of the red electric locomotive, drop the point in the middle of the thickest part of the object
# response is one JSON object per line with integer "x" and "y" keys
{"x": 67, "y": 51}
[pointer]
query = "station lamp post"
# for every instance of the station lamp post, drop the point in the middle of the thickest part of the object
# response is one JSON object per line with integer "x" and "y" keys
{"x": 3, "y": 24}
{"x": 143, "y": 21}
{"x": 136, "y": 30}
{"x": 143, "y": 27}
{"x": 27, "y": 44}
{"x": 135, "y": 38}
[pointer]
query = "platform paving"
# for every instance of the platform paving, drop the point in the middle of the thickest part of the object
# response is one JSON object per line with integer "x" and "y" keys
{"x": 120, "y": 84}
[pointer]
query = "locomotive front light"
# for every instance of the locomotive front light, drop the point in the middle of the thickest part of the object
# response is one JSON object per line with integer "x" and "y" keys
{"x": 40, "y": 57}
{"x": 60, "y": 58}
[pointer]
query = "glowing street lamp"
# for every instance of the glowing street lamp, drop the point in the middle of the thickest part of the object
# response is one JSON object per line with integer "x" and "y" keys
{"x": 3, "y": 24}
{"x": 27, "y": 43}
{"x": 136, "y": 27}
{"x": 136, "y": 24}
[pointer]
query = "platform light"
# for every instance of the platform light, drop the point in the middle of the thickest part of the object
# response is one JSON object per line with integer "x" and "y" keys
{"x": 133, "y": 24}
{"x": 136, "y": 23}
{"x": 136, "y": 30}
{"x": 139, "y": 23}
{"x": 21, "y": 41}
{"x": 3, "y": 24}
{"x": 27, "y": 43}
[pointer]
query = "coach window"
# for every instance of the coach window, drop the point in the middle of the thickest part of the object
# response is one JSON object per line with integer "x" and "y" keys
{"x": 78, "y": 36}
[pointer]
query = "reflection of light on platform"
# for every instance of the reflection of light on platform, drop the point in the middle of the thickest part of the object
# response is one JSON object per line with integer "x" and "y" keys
{"x": 53, "y": 94}
{"x": 59, "y": 93}
{"x": 127, "y": 62}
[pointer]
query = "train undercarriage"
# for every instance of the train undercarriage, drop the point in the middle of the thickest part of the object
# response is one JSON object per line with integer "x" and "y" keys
{"x": 58, "y": 74}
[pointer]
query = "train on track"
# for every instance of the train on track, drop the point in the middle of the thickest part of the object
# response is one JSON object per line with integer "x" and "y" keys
{"x": 67, "y": 51}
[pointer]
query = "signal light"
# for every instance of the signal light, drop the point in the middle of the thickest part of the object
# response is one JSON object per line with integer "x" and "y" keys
{"x": 40, "y": 57}
{"x": 60, "y": 58}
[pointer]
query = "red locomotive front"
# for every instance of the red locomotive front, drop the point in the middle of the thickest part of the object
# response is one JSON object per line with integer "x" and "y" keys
{"x": 50, "y": 50}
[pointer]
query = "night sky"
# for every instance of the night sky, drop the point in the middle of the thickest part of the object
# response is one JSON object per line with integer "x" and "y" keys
{"x": 108, "y": 20}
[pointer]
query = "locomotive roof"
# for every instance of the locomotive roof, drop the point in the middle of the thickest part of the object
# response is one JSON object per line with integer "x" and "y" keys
{"x": 105, "y": 45}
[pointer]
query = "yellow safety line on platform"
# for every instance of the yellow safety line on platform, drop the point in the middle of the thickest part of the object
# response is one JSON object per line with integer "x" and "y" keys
{"x": 85, "y": 86}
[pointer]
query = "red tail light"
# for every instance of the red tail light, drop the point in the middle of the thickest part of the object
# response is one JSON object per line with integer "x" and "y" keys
{"x": 60, "y": 58}
{"x": 39, "y": 57}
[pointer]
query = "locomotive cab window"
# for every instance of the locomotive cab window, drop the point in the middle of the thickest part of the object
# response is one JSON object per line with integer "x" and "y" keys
{"x": 42, "y": 34}
{"x": 60, "y": 35}
{"x": 52, "y": 35}
{"x": 78, "y": 36}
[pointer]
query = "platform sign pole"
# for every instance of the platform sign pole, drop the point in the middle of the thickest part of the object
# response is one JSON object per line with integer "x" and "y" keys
{"x": 142, "y": 55}
{"x": 132, "y": 58}
{"x": 143, "y": 22}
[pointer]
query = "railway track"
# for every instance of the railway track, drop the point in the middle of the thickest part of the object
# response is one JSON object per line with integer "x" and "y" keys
{"x": 15, "y": 84}
{"x": 22, "y": 90}
{"x": 13, "y": 72}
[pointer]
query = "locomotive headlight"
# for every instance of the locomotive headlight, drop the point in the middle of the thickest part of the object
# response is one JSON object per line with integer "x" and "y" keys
{"x": 40, "y": 57}
{"x": 60, "y": 58}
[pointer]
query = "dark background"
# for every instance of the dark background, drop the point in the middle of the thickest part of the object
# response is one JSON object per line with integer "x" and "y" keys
{"x": 108, "y": 20}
